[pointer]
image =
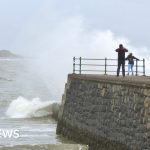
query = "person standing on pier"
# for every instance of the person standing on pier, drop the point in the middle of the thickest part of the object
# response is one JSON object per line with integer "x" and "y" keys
{"x": 130, "y": 59}
{"x": 121, "y": 59}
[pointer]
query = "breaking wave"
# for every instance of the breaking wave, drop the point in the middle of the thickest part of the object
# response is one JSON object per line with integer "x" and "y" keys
{"x": 24, "y": 108}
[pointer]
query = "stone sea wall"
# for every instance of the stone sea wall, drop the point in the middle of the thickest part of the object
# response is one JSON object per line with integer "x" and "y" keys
{"x": 106, "y": 113}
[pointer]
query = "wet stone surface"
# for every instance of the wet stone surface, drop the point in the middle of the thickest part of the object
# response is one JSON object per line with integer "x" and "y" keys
{"x": 107, "y": 112}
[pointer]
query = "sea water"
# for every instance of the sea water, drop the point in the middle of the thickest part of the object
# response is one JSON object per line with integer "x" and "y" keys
{"x": 25, "y": 109}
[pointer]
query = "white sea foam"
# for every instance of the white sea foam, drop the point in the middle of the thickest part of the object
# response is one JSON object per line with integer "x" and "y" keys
{"x": 24, "y": 108}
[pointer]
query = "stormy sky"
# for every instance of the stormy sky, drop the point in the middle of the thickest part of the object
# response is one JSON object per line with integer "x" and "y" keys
{"x": 32, "y": 26}
{"x": 57, "y": 30}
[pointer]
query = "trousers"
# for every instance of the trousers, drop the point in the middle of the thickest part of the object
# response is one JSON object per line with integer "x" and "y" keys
{"x": 121, "y": 62}
{"x": 130, "y": 68}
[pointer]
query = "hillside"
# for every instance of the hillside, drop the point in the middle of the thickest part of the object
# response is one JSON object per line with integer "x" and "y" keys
{"x": 8, "y": 54}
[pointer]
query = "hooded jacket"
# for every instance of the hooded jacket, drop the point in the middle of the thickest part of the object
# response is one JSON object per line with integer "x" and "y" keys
{"x": 131, "y": 58}
{"x": 121, "y": 53}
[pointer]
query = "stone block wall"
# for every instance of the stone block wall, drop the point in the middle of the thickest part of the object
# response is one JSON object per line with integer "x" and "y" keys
{"x": 106, "y": 114}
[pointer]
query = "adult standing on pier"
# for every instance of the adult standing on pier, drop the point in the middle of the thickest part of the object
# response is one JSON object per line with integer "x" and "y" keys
{"x": 121, "y": 59}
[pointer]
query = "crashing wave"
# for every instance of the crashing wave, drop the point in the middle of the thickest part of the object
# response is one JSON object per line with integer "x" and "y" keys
{"x": 24, "y": 108}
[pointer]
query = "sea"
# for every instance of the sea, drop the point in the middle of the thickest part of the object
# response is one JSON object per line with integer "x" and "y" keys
{"x": 26, "y": 103}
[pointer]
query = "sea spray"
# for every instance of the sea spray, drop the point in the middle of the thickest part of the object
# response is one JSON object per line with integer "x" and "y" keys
{"x": 24, "y": 108}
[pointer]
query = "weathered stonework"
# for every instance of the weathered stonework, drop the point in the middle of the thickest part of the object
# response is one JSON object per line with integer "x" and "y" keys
{"x": 106, "y": 113}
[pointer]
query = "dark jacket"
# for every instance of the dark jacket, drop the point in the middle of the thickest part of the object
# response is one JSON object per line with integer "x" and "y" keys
{"x": 121, "y": 53}
{"x": 131, "y": 58}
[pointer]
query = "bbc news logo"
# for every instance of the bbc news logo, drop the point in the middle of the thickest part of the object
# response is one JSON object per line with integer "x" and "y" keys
{"x": 12, "y": 133}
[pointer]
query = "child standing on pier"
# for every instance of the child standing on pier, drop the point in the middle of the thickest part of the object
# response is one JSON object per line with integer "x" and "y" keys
{"x": 130, "y": 59}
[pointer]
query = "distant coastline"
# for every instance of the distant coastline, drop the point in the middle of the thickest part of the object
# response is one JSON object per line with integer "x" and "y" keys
{"x": 8, "y": 54}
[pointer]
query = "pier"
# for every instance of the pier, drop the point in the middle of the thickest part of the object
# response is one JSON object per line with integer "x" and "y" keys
{"x": 106, "y": 112}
